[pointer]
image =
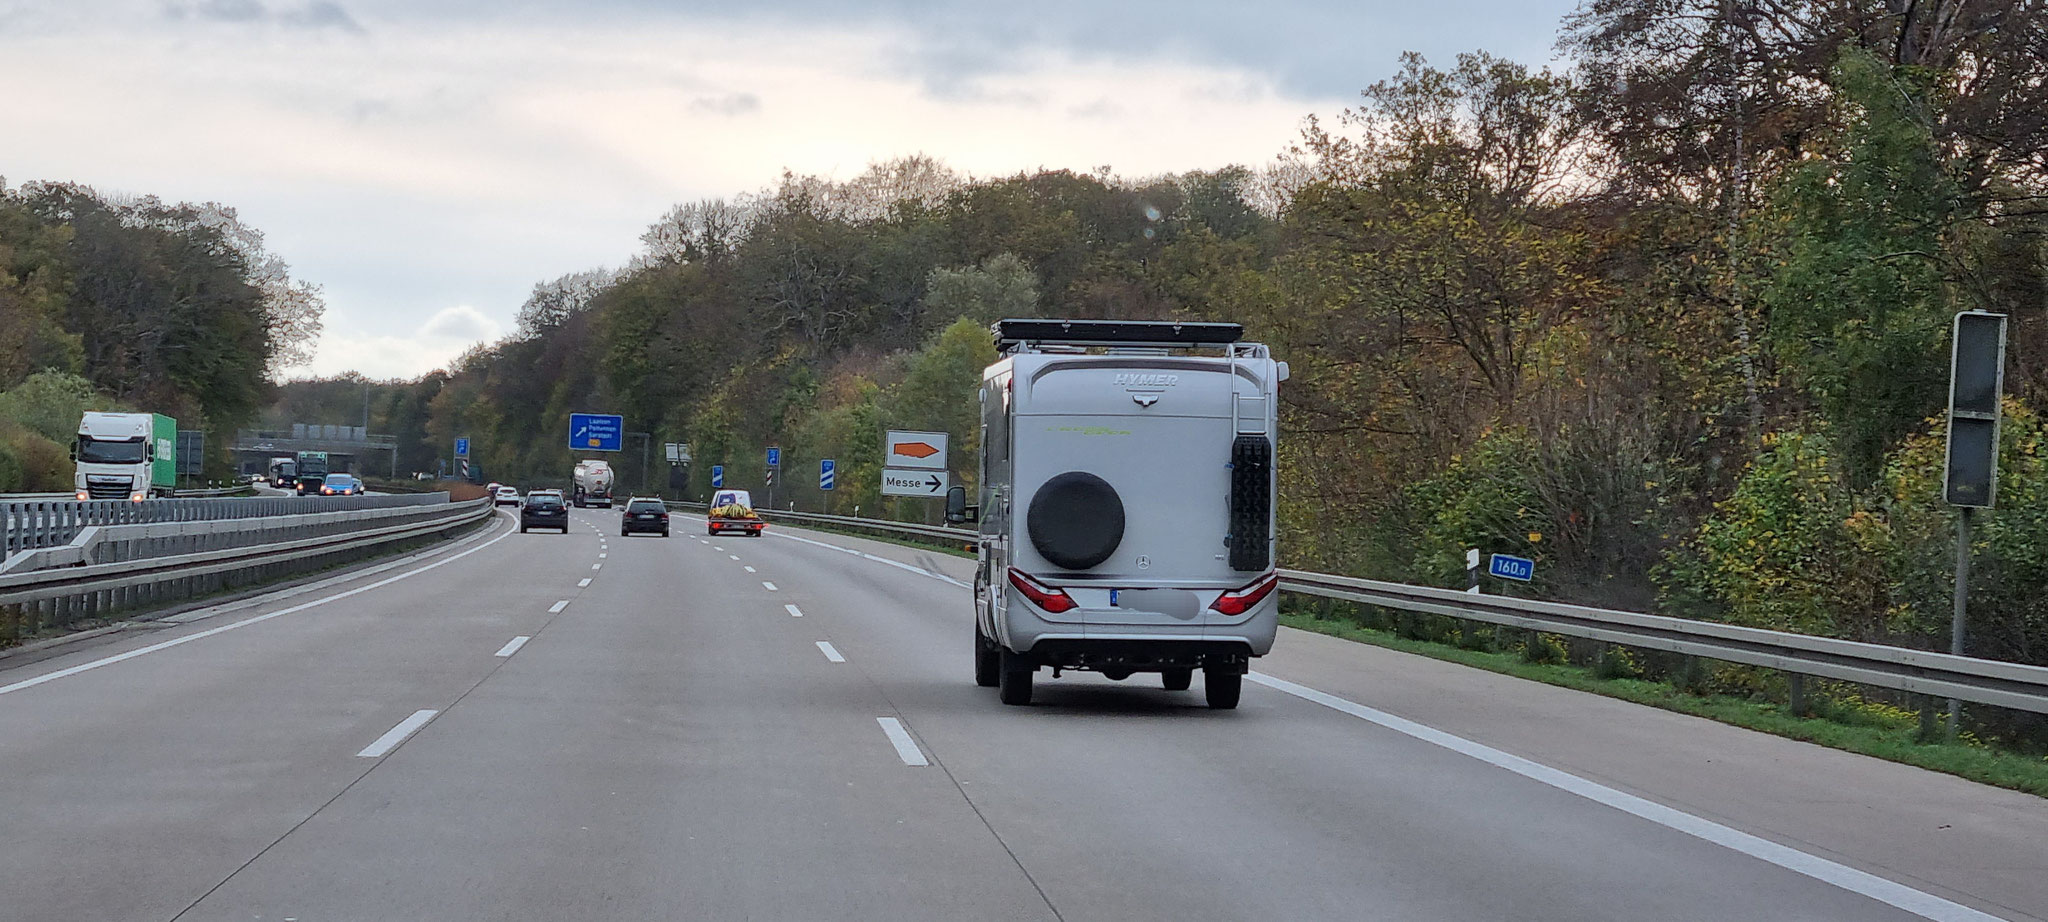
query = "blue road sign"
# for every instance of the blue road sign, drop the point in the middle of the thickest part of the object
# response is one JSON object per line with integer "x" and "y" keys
{"x": 596, "y": 432}
{"x": 825, "y": 473}
{"x": 1507, "y": 566}
{"x": 717, "y": 476}
{"x": 774, "y": 457}
{"x": 462, "y": 448}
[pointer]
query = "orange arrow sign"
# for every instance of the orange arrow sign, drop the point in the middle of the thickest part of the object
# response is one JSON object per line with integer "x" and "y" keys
{"x": 913, "y": 450}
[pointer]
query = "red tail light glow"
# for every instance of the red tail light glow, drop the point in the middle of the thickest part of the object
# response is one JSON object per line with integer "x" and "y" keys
{"x": 1046, "y": 597}
{"x": 1239, "y": 601}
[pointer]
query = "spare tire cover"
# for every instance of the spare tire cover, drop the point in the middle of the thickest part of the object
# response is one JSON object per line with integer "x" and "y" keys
{"x": 1076, "y": 520}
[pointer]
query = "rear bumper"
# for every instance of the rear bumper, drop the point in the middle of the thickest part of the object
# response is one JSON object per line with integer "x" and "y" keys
{"x": 1023, "y": 628}
{"x": 717, "y": 525}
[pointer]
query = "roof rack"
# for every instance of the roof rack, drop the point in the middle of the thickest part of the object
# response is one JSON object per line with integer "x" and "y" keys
{"x": 1010, "y": 334}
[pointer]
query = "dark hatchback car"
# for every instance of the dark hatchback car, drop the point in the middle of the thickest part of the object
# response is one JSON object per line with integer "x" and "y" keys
{"x": 544, "y": 509}
{"x": 644, "y": 515}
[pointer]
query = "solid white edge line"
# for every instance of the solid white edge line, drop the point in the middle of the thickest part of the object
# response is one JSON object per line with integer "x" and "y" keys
{"x": 825, "y": 647}
{"x": 583, "y": 582}
{"x": 768, "y": 586}
{"x": 794, "y": 612}
{"x": 556, "y": 608}
{"x": 302, "y": 606}
{"x": 397, "y": 734}
{"x": 906, "y": 748}
{"x": 512, "y": 646}
{"x": 1925, "y": 905}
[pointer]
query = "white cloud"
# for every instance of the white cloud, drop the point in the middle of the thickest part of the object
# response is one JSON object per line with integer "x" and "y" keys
{"x": 451, "y": 330}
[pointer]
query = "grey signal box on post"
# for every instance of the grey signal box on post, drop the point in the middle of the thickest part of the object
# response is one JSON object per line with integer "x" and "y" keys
{"x": 1976, "y": 380}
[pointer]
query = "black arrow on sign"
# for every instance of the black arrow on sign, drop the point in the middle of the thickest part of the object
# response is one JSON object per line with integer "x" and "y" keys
{"x": 936, "y": 483}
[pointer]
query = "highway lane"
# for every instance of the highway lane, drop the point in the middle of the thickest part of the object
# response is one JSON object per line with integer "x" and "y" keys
{"x": 674, "y": 742}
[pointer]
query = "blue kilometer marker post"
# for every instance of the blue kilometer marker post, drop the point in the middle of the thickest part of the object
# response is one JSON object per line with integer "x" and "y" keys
{"x": 825, "y": 474}
{"x": 1507, "y": 566}
{"x": 717, "y": 476}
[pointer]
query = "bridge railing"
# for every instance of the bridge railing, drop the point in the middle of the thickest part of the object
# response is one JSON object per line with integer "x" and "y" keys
{"x": 2011, "y": 685}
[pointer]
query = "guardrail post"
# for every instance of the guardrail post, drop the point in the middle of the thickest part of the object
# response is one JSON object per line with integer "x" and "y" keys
{"x": 1795, "y": 693}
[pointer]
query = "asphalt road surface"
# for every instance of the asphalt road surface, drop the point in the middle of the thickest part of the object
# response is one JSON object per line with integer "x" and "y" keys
{"x": 586, "y": 726}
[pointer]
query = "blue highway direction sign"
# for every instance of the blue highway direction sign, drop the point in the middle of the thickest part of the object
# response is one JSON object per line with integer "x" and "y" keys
{"x": 596, "y": 432}
{"x": 462, "y": 448}
{"x": 1507, "y": 566}
{"x": 717, "y": 476}
{"x": 826, "y": 474}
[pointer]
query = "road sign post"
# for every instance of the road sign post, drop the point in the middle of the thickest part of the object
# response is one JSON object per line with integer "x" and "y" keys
{"x": 1976, "y": 382}
{"x": 597, "y": 432}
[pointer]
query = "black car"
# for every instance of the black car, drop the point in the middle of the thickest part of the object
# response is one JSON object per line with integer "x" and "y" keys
{"x": 644, "y": 515}
{"x": 544, "y": 509}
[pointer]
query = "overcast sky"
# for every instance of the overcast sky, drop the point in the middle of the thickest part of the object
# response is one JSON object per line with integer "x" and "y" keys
{"x": 427, "y": 162}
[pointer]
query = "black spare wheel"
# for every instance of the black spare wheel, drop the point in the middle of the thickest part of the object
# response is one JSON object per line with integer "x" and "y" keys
{"x": 1076, "y": 520}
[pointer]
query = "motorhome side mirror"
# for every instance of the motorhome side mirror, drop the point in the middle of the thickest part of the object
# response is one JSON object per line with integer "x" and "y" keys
{"x": 956, "y": 506}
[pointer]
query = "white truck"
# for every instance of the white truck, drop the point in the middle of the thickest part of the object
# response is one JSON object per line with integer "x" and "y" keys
{"x": 1126, "y": 504}
{"x": 593, "y": 484}
{"x": 130, "y": 456}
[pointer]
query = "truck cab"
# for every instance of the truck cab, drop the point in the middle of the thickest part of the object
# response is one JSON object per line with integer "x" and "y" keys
{"x": 311, "y": 470}
{"x": 131, "y": 456}
{"x": 1126, "y": 507}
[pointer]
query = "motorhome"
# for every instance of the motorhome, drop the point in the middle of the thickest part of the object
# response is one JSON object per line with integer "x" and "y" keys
{"x": 1126, "y": 504}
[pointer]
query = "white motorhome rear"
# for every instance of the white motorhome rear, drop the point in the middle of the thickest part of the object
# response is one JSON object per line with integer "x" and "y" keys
{"x": 1126, "y": 504}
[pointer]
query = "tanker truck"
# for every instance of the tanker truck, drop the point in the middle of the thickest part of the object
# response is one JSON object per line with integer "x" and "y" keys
{"x": 593, "y": 484}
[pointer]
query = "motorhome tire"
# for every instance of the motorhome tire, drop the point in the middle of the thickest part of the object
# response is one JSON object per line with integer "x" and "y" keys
{"x": 1014, "y": 682}
{"x": 1222, "y": 688}
{"x": 988, "y": 661}
{"x": 1076, "y": 520}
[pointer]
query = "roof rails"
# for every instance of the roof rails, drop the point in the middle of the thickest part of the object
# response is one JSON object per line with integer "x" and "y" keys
{"x": 1010, "y": 334}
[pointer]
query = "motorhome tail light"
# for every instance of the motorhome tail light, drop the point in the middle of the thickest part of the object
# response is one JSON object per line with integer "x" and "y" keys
{"x": 1046, "y": 597}
{"x": 1239, "y": 601}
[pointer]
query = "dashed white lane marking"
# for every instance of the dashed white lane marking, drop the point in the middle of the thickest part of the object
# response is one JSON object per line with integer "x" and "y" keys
{"x": 512, "y": 646}
{"x": 602, "y": 556}
{"x": 768, "y": 586}
{"x": 906, "y": 748}
{"x": 898, "y": 564}
{"x": 583, "y": 582}
{"x": 702, "y": 541}
{"x": 716, "y": 548}
{"x": 556, "y": 608}
{"x": 597, "y": 566}
{"x": 733, "y": 556}
{"x": 794, "y": 612}
{"x": 750, "y": 569}
{"x": 398, "y": 734}
{"x": 302, "y": 606}
{"x": 831, "y": 654}
{"x": 1925, "y": 905}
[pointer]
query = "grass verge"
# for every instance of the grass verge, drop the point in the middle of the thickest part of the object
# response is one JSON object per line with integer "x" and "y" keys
{"x": 1879, "y": 732}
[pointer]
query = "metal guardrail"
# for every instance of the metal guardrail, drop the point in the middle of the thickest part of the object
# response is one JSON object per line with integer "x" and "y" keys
{"x": 107, "y": 568}
{"x": 1942, "y": 675}
{"x": 31, "y": 524}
